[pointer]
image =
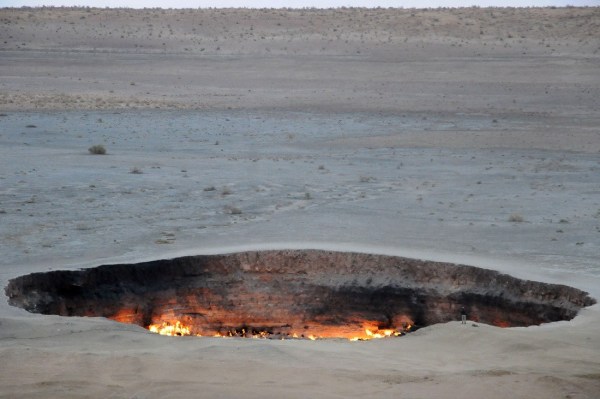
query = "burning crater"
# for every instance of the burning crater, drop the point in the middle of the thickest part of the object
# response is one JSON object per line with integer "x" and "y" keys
{"x": 294, "y": 293}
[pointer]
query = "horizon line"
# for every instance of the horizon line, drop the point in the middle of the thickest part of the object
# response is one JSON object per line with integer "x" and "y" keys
{"x": 302, "y": 8}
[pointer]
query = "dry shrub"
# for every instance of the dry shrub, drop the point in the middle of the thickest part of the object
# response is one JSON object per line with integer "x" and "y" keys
{"x": 515, "y": 217}
{"x": 97, "y": 149}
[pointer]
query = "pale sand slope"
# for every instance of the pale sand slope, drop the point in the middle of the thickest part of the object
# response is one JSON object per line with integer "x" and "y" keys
{"x": 432, "y": 128}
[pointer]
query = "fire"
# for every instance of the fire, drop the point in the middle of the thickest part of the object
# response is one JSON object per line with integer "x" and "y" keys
{"x": 167, "y": 328}
{"x": 379, "y": 333}
{"x": 371, "y": 331}
{"x": 376, "y": 334}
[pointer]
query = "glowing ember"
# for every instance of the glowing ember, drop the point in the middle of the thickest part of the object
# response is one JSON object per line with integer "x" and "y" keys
{"x": 501, "y": 323}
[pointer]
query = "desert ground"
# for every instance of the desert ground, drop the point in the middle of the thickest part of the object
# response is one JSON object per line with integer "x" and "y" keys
{"x": 459, "y": 135}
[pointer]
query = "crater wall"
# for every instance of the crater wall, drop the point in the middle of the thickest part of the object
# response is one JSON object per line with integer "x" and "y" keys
{"x": 295, "y": 292}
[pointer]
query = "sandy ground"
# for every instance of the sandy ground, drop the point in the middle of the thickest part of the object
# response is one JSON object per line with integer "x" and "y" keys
{"x": 408, "y": 132}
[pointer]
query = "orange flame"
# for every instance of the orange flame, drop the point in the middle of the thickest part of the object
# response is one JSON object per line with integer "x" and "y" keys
{"x": 167, "y": 328}
{"x": 371, "y": 331}
{"x": 376, "y": 334}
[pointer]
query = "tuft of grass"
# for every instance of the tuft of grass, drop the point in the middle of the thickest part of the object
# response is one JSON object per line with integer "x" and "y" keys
{"x": 97, "y": 149}
{"x": 516, "y": 218}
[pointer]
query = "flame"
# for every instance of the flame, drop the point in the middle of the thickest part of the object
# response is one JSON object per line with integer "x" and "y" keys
{"x": 167, "y": 328}
{"x": 381, "y": 333}
{"x": 371, "y": 331}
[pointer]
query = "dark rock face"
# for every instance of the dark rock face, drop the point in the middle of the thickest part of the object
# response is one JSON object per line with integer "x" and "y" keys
{"x": 327, "y": 294}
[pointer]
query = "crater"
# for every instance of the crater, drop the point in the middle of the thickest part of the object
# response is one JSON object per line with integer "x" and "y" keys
{"x": 294, "y": 294}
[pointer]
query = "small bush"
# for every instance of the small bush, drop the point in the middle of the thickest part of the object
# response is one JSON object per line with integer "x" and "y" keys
{"x": 515, "y": 217}
{"x": 97, "y": 149}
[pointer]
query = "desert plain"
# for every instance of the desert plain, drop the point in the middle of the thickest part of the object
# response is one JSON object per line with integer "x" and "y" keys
{"x": 459, "y": 135}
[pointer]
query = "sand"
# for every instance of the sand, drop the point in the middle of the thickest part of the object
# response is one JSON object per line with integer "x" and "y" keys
{"x": 405, "y": 132}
